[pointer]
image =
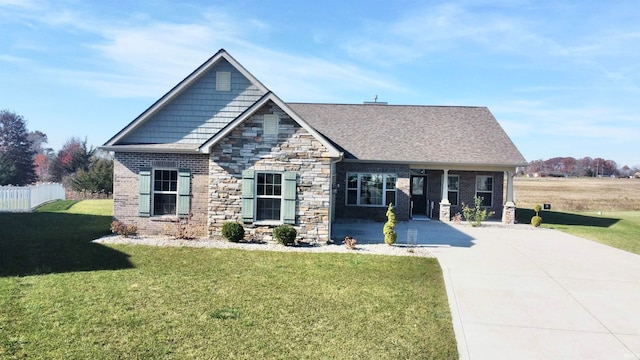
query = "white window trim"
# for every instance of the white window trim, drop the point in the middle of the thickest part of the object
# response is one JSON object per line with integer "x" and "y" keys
{"x": 456, "y": 191}
{"x": 492, "y": 186}
{"x": 384, "y": 189}
{"x": 256, "y": 197}
{"x": 154, "y": 192}
{"x": 223, "y": 81}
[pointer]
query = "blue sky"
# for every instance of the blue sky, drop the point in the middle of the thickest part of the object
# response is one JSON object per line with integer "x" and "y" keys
{"x": 561, "y": 77}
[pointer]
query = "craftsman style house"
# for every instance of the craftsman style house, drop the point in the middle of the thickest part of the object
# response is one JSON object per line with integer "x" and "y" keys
{"x": 221, "y": 147}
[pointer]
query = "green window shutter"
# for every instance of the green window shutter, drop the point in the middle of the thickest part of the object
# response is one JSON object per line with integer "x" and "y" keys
{"x": 289, "y": 198}
{"x": 184, "y": 192}
{"x": 144, "y": 202}
{"x": 248, "y": 195}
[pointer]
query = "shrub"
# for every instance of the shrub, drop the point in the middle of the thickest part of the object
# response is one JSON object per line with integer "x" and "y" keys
{"x": 233, "y": 231}
{"x": 537, "y": 209}
{"x": 536, "y": 221}
{"x": 476, "y": 215}
{"x": 181, "y": 229}
{"x": 285, "y": 234}
{"x": 122, "y": 229}
{"x": 390, "y": 235}
{"x": 350, "y": 242}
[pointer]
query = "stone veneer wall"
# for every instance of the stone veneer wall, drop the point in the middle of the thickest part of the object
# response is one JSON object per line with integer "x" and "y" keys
{"x": 293, "y": 149}
{"x": 344, "y": 211}
{"x": 126, "y": 185}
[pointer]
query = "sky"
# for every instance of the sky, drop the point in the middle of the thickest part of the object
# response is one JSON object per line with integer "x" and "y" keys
{"x": 561, "y": 77}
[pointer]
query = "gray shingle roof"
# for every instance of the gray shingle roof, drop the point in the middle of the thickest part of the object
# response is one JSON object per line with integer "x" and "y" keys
{"x": 414, "y": 134}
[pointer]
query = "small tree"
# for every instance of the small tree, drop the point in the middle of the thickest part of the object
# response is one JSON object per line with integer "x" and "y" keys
{"x": 73, "y": 157}
{"x": 536, "y": 220}
{"x": 390, "y": 235}
{"x": 476, "y": 215}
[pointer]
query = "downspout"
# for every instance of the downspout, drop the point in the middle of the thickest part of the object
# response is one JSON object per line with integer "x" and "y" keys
{"x": 334, "y": 190}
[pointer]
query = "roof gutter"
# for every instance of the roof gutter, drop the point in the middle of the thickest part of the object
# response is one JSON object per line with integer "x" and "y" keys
{"x": 138, "y": 149}
{"x": 436, "y": 164}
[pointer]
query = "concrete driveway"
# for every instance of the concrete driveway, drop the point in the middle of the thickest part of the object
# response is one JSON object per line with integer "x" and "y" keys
{"x": 523, "y": 293}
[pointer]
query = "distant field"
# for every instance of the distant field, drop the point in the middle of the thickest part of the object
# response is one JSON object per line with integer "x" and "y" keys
{"x": 579, "y": 194}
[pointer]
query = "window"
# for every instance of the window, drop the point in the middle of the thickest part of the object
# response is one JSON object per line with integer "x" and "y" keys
{"x": 269, "y": 196}
{"x": 417, "y": 185}
{"x": 223, "y": 81}
{"x": 484, "y": 189}
{"x": 454, "y": 188}
{"x": 371, "y": 189}
{"x": 164, "y": 192}
{"x": 271, "y": 123}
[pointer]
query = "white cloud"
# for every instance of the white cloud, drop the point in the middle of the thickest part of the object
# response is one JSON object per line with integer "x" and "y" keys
{"x": 450, "y": 27}
{"x": 146, "y": 58}
{"x": 142, "y": 57}
{"x": 24, "y": 4}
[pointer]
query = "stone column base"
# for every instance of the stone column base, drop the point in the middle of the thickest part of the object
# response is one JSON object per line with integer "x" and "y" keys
{"x": 445, "y": 212}
{"x": 509, "y": 213}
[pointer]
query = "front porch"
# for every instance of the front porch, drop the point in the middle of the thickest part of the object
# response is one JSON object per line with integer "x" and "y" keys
{"x": 427, "y": 233}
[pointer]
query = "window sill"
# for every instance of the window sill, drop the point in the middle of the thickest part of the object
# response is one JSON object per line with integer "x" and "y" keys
{"x": 165, "y": 218}
{"x": 268, "y": 223}
{"x": 368, "y": 206}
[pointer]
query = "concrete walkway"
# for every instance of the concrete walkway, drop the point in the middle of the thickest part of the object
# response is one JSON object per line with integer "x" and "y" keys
{"x": 524, "y": 293}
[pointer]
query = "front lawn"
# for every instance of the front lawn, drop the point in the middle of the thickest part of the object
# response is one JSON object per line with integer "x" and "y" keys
{"x": 145, "y": 302}
{"x": 620, "y": 229}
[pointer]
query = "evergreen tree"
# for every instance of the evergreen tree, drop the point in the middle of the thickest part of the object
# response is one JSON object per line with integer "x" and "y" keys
{"x": 390, "y": 235}
{"x": 98, "y": 179}
{"x": 7, "y": 170}
{"x": 15, "y": 147}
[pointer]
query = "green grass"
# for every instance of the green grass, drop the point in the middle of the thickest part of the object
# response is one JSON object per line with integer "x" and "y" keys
{"x": 57, "y": 238}
{"x": 620, "y": 229}
{"x": 176, "y": 303}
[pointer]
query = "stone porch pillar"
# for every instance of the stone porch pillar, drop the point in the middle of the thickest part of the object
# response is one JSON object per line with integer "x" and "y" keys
{"x": 509, "y": 210}
{"x": 445, "y": 205}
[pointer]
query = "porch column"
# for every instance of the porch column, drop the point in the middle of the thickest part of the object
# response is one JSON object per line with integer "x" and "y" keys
{"x": 509, "y": 210}
{"x": 509, "y": 175}
{"x": 445, "y": 205}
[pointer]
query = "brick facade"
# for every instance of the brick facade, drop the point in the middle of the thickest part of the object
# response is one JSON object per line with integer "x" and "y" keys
{"x": 126, "y": 184}
{"x": 293, "y": 149}
{"x": 466, "y": 194}
{"x": 467, "y": 191}
{"x": 344, "y": 211}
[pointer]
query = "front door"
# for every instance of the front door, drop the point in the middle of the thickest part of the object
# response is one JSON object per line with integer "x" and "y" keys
{"x": 419, "y": 195}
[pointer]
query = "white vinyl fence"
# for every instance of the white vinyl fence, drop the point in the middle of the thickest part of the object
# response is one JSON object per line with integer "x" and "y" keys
{"x": 27, "y": 198}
